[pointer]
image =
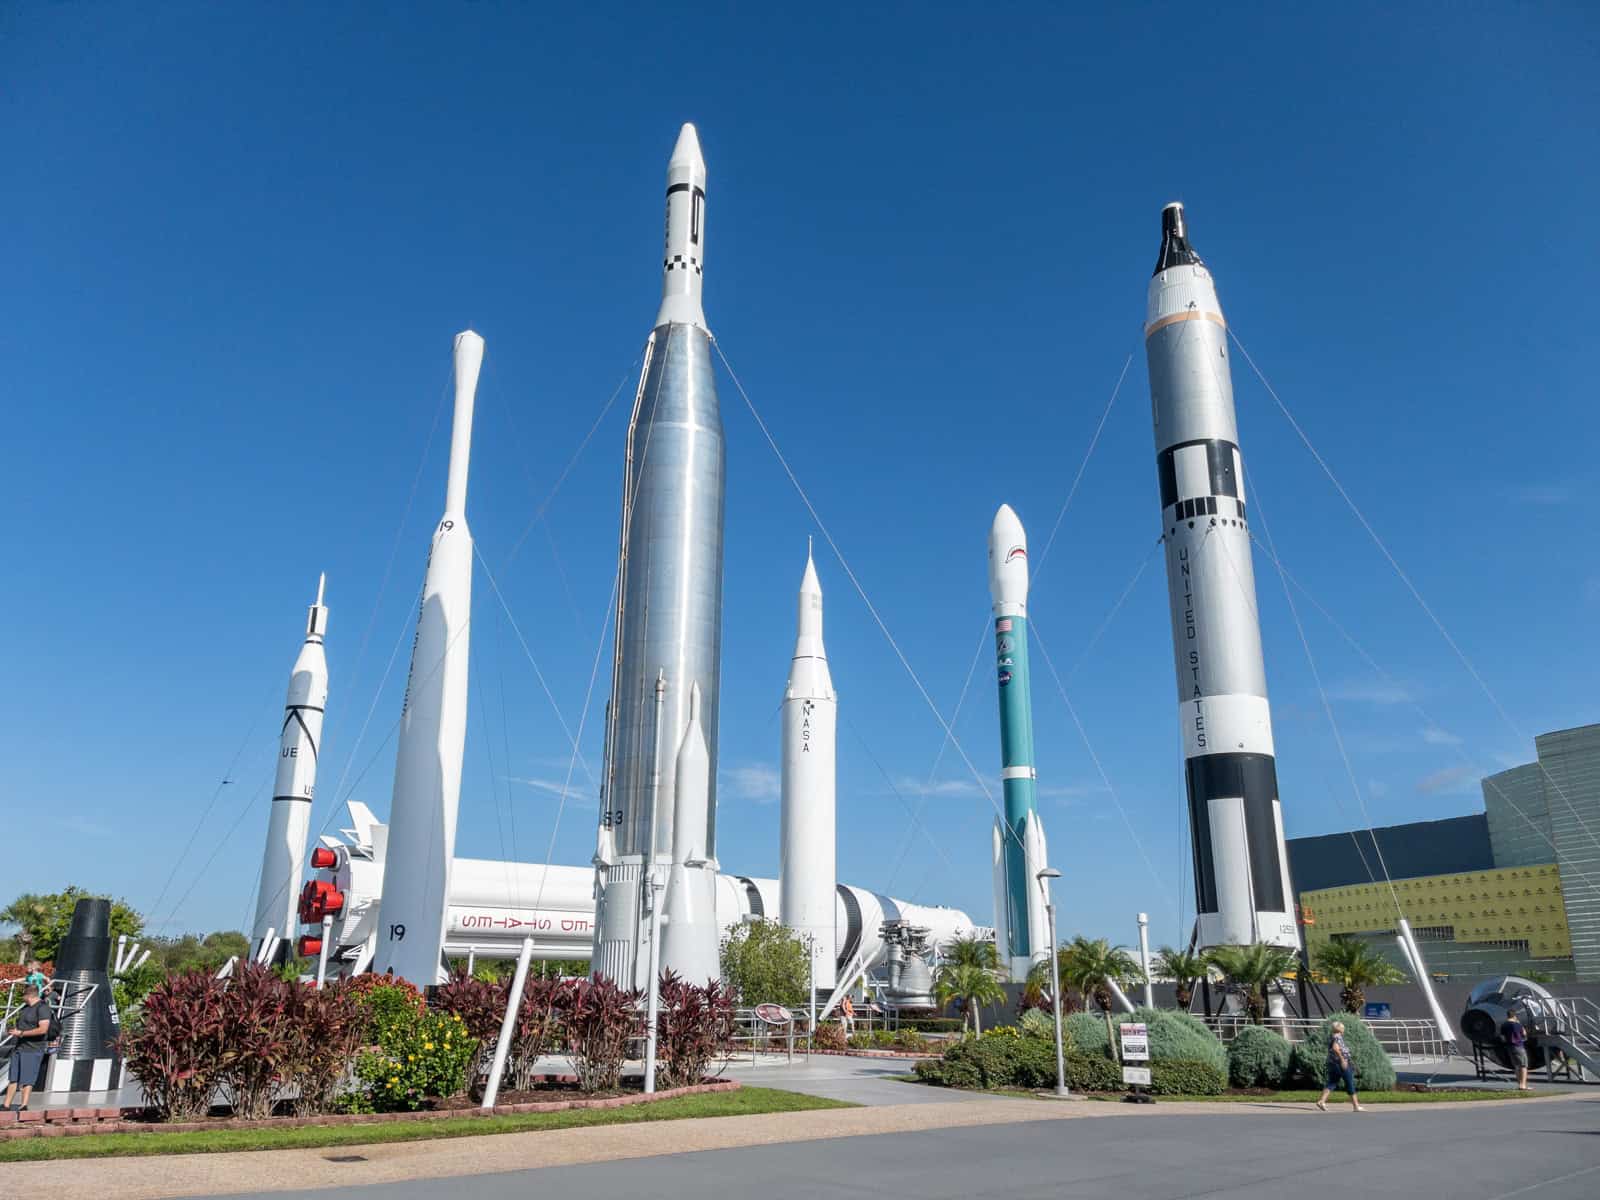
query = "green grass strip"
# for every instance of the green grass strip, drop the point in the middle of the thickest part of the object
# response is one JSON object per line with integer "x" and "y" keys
{"x": 743, "y": 1102}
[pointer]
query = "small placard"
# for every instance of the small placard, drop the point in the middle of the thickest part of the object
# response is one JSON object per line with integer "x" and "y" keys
{"x": 1135, "y": 1042}
{"x": 1139, "y": 1075}
{"x": 774, "y": 1014}
{"x": 1377, "y": 1011}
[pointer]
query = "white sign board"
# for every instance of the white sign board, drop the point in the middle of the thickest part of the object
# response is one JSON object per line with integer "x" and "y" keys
{"x": 1135, "y": 1043}
{"x": 1140, "y": 1075}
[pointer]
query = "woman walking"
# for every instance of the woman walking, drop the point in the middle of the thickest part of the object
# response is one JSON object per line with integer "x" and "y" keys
{"x": 1341, "y": 1068}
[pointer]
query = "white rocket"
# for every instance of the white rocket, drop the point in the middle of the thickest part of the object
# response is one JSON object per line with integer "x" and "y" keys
{"x": 292, "y": 792}
{"x": 690, "y": 934}
{"x": 433, "y": 726}
{"x": 807, "y": 881}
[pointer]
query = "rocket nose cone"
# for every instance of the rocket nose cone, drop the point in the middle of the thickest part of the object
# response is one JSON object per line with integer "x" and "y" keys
{"x": 1175, "y": 248}
{"x": 1006, "y": 528}
{"x": 1008, "y": 558}
{"x": 686, "y": 153}
{"x": 809, "y": 582}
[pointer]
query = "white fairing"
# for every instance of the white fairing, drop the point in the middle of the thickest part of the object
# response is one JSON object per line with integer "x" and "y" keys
{"x": 1233, "y": 924}
{"x": 689, "y": 941}
{"x": 683, "y": 269}
{"x": 1008, "y": 564}
{"x": 433, "y": 726}
{"x": 295, "y": 785}
{"x": 806, "y": 871}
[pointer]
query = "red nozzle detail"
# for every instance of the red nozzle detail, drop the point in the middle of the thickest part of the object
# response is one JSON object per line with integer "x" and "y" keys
{"x": 323, "y": 859}
{"x": 310, "y": 946}
{"x": 319, "y": 899}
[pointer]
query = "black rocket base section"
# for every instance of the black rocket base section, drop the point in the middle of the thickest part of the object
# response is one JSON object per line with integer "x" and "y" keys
{"x": 1255, "y": 778}
{"x": 86, "y": 1059}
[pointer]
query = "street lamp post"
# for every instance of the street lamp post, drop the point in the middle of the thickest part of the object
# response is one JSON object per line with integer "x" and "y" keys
{"x": 1044, "y": 877}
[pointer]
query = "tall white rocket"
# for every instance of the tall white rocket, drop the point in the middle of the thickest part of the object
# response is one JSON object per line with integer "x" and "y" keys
{"x": 433, "y": 726}
{"x": 298, "y": 745}
{"x": 806, "y": 872}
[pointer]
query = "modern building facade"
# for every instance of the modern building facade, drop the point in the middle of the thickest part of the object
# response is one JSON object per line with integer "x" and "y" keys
{"x": 1512, "y": 890}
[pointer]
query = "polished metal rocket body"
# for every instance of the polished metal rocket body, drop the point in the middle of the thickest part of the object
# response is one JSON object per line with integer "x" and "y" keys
{"x": 1243, "y": 895}
{"x": 669, "y": 595}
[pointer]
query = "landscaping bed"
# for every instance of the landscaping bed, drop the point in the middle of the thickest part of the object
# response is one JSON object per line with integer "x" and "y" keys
{"x": 724, "y": 1099}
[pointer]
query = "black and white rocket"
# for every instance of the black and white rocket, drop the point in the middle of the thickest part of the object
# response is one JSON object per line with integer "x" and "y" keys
{"x": 433, "y": 725}
{"x": 299, "y": 743}
{"x": 1236, "y": 822}
{"x": 669, "y": 608}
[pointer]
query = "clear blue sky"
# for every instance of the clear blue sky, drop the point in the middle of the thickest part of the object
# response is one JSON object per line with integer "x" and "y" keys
{"x": 237, "y": 242}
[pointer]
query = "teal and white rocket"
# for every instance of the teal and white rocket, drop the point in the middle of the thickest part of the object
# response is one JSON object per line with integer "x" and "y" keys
{"x": 1021, "y": 929}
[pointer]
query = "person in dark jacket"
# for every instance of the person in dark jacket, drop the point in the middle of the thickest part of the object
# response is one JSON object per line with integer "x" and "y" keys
{"x": 32, "y": 1032}
{"x": 1515, "y": 1034}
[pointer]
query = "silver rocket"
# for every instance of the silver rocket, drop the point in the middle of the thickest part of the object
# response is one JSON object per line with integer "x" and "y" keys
{"x": 292, "y": 791}
{"x": 1241, "y": 868}
{"x": 807, "y": 882}
{"x": 669, "y": 595}
{"x": 433, "y": 725}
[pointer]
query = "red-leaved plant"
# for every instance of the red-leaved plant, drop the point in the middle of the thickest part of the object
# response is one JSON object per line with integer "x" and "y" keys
{"x": 327, "y": 1027}
{"x": 603, "y": 1018}
{"x": 260, "y": 1053}
{"x": 177, "y": 1048}
{"x": 541, "y": 1027}
{"x": 480, "y": 1004}
{"x": 694, "y": 1026}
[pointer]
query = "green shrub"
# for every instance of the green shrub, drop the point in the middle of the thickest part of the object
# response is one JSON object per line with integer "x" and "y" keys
{"x": 1001, "y": 1058}
{"x": 1259, "y": 1057}
{"x": 1174, "y": 1036}
{"x": 1180, "y": 1077}
{"x": 418, "y": 1059}
{"x": 830, "y": 1035}
{"x": 956, "y": 1073}
{"x": 1038, "y": 1023}
{"x": 1374, "y": 1071}
{"x": 932, "y": 1024}
{"x": 1093, "y": 1072}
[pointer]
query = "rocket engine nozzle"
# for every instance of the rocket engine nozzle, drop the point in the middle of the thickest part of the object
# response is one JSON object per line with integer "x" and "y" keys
{"x": 309, "y": 947}
{"x": 319, "y": 899}
{"x": 323, "y": 859}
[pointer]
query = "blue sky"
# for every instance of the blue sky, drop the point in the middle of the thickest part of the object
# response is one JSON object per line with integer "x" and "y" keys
{"x": 239, "y": 240}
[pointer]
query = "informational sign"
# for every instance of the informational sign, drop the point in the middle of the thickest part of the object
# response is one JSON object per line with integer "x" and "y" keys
{"x": 1377, "y": 1012}
{"x": 1135, "y": 1043}
{"x": 1136, "y": 1075}
{"x": 774, "y": 1014}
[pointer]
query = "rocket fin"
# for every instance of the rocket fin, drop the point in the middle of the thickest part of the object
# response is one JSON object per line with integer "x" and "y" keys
{"x": 1037, "y": 858}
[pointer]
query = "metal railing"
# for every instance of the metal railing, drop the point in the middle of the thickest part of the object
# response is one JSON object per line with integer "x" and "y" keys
{"x": 1415, "y": 1038}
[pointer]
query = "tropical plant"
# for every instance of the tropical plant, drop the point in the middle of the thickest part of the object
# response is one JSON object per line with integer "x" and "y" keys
{"x": 480, "y": 1004}
{"x": 830, "y": 1035}
{"x": 1037, "y": 1023}
{"x": 1173, "y": 1036}
{"x": 694, "y": 1025}
{"x": 1036, "y": 988}
{"x": 422, "y": 1057}
{"x": 541, "y": 1027}
{"x": 385, "y": 1002}
{"x": 972, "y": 951}
{"x": 1092, "y": 965}
{"x": 1355, "y": 966}
{"x": 45, "y": 917}
{"x": 327, "y": 1027}
{"x": 1252, "y": 970}
{"x": 176, "y": 1048}
{"x": 260, "y": 1045}
{"x": 1184, "y": 967}
{"x": 602, "y": 1020}
{"x": 765, "y": 963}
{"x": 970, "y": 987}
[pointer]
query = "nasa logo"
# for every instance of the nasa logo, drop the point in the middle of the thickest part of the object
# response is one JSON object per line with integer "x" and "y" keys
{"x": 1005, "y": 678}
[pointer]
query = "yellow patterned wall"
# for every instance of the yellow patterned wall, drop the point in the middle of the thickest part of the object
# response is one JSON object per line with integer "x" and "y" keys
{"x": 1506, "y": 904}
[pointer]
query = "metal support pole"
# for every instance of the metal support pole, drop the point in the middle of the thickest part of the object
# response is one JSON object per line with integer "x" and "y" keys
{"x": 1055, "y": 1003}
{"x": 472, "y": 958}
{"x": 508, "y": 1025}
{"x": 322, "y": 953}
{"x": 1144, "y": 958}
{"x": 655, "y": 984}
{"x": 811, "y": 975}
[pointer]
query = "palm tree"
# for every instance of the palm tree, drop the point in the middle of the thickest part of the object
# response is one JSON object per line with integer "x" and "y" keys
{"x": 1092, "y": 966}
{"x": 1252, "y": 969}
{"x": 1184, "y": 967}
{"x": 1355, "y": 966}
{"x": 969, "y": 986}
{"x": 972, "y": 951}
